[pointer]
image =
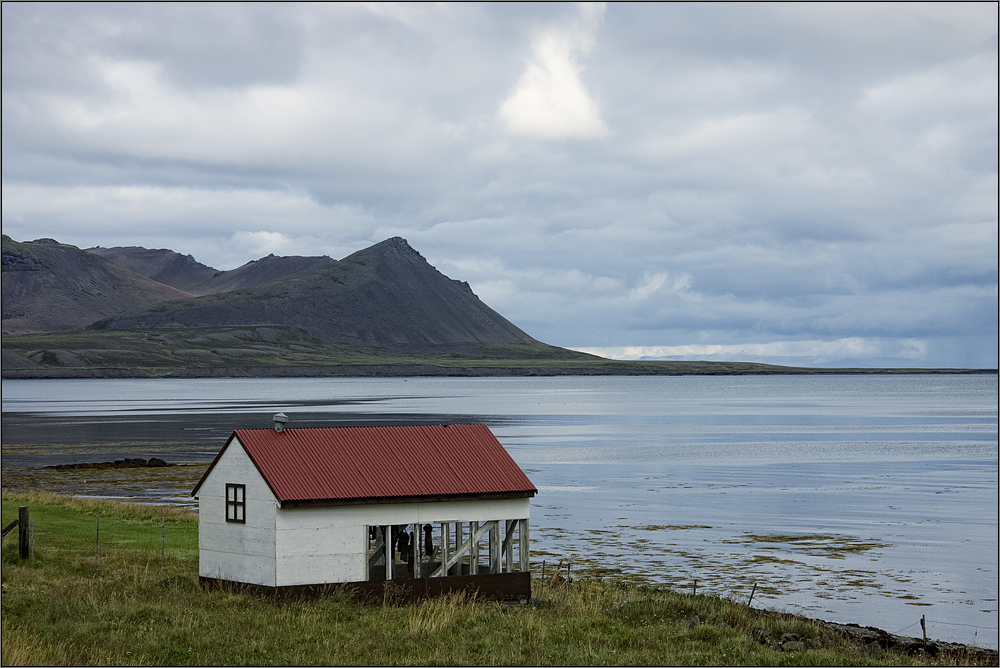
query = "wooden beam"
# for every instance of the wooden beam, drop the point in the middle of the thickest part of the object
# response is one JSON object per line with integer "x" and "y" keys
{"x": 374, "y": 558}
{"x": 508, "y": 546}
{"x": 467, "y": 547}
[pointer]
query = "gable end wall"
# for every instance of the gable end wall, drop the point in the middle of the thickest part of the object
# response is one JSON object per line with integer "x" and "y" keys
{"x": 229, "y": 550}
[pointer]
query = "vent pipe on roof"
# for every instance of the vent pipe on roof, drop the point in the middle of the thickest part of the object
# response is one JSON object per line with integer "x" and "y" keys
{"x": 279, "y": 421}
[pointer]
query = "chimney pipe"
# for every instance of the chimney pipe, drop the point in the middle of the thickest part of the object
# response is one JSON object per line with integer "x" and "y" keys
{"x": 279, "y": 422}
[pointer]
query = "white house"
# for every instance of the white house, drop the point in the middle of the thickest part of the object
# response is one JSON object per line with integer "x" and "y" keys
{"x": 289, "y": 509}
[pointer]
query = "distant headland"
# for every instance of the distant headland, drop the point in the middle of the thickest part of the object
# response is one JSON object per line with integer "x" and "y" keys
{"x": 384, "y": 311}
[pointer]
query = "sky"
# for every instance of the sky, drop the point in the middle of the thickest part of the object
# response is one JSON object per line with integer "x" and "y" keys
{"x": 803, "y": 184}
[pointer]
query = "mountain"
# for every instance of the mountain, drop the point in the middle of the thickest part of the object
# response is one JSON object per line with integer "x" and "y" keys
{"x": 386, "y": 296}
{"x": 164, "y": 266}
{"x": 52, "y": 287}
{"x": 382, "y": 311}
{"x": 185, "y": 273}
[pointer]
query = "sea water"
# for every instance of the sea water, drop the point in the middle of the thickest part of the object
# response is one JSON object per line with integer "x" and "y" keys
{"x": 864, "y": 499}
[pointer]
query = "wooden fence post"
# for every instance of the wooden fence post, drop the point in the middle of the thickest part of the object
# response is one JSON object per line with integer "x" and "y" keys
{"x": 23, "y": 532}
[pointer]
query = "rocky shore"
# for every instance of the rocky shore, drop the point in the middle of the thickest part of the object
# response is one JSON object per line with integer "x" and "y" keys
{"x": 127, "y": 463}
{"x": 875, "y": 643}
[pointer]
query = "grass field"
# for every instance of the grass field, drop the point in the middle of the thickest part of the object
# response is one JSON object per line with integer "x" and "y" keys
{"x": 277, "y": 350}
{"x": 66, "y": 607}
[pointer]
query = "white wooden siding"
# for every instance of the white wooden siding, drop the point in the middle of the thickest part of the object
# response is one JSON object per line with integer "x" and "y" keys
{"x": 232, "y": 550}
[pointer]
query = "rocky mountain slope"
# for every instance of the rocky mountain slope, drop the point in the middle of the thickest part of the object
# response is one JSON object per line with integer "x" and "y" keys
{"x": 185, "y": 273}
{"x": 52, "y": 287}
{"x": 162, "y": 265}
{"x": 386, "y": 296}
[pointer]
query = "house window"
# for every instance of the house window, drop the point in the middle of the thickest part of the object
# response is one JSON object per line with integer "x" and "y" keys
{"x": 236, "y": 501}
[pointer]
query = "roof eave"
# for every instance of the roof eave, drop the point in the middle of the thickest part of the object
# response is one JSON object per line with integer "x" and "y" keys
{"x": 233, "y": 437}
{"x": 204, "y": 476}
{"x": 486, "y": 496}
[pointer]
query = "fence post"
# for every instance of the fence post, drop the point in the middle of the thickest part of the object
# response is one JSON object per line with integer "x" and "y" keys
{"x": 23, "y": 532}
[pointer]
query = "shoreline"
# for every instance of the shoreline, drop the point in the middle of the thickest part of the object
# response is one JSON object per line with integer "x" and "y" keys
{"x": 612, "y": 368}
{"x": 878, "y": 640}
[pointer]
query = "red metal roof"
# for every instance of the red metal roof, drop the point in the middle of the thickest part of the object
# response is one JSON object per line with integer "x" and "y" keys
{"x": 348, "y": 463}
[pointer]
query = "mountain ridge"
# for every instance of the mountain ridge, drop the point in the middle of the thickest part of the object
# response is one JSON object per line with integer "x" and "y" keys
{"x": 385, "y": 297}
{"x": 49, "y": 286}
{"x": 185, "y": 273}
{"x": 382, "y": 311}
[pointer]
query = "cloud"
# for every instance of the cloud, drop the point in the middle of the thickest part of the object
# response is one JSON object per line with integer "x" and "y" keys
{"x": 262, "y": 243}
{"x": 550, "y": 101}
{"x": 630, "y": 175}
{"x": 189, "y": 220}
{"x": 652, "y": 283}
{"x": 812, "y": 353}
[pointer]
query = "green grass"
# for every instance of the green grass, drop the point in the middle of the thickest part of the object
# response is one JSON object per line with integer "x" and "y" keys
{"x": 162, "y": 352}
{"x": 65, "y": 608}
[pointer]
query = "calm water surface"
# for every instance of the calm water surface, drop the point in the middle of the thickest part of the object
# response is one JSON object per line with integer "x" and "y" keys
{"x": 865, "y": 499}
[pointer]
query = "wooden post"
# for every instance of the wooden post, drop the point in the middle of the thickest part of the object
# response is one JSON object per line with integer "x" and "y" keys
{"x": 390, "y": 551}
{"x": 694, "y": 588}
{"x": 474, "y": 549}
{"x": 509, "y": 542}
{"x": 923, "y": 626}
{"x": 491, "y": 538}
{"x": 497, "y": 548}
{"x": 522, "y": 548}
{"x": 752, "y": 592}
{"x": 459, "y": 526}
{"x": 445, "y": 538}
{"x": 23, "y": 531}
{"x": 416, "y": 544}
